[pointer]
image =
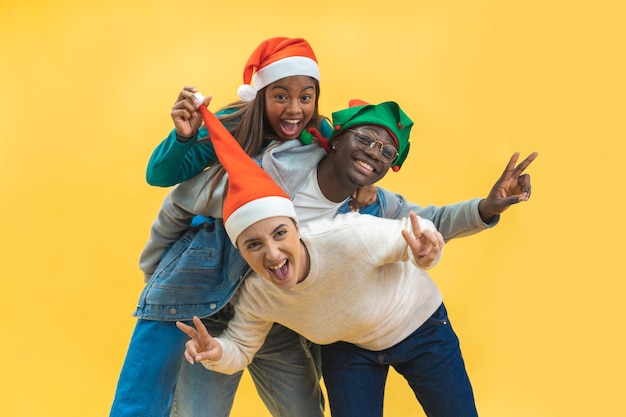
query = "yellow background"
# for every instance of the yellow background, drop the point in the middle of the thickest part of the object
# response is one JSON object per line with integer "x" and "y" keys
{"x": 85, "y": 94}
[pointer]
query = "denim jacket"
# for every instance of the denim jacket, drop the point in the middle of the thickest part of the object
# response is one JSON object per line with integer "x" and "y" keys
{"x": 197, "y": 276}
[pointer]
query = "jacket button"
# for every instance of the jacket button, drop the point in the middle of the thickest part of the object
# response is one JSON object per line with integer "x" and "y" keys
{"x": 172, "y": 310}
{"x": 213, "y": 306}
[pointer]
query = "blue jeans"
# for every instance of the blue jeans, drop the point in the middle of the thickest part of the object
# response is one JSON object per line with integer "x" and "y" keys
{"x": 283, "y": 371}
{"x": 429, "y": 359}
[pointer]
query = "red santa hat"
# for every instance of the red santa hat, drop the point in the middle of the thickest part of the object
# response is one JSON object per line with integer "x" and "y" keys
{"x": 274, "y": 59}
{"x": 252, "y": 194}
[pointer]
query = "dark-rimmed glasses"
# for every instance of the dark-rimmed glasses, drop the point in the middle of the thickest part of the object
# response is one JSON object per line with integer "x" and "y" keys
{"x": 388, "y": 153}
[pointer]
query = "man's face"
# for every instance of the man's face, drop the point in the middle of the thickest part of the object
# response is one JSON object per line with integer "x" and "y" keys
{"x": 358, "y": 163}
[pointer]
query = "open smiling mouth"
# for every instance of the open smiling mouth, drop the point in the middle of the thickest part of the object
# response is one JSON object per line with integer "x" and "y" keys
{"x": 281, "y": 271}
{"x": 364, "y": 166}
{"x": 290, "y": 127}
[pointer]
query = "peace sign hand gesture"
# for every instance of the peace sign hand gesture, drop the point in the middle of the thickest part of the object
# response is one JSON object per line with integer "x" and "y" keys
{"x": 202, "y": 346}
{"x": 511, "y": 188}
{"x": 426, "y": 245}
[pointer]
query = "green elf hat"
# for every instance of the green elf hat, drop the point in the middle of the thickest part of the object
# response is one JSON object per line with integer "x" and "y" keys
{"x": 388, "y": 115}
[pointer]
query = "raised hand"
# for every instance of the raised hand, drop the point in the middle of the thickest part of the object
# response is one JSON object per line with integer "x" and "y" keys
{"x": 426, "y": 245}
{"x": 202, "y": 346}
{"x": 512, "y": 187}
{"x": 186, "y": 117}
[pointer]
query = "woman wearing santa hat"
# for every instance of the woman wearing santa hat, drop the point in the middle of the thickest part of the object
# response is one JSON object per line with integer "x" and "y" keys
{"x": 278, "y": 101}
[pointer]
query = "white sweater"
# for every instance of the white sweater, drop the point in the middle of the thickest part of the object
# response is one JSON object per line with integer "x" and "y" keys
{"x": 363, "y": 287}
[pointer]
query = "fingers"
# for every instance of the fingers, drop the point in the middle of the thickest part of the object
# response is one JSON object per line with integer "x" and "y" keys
{"x": 185, "y": 105}
{"x": 415, "y": 224}
{"x": 514, "y": 173}
{"x": 209, "y": 349}
{"x": 188, "y": 330}
{"x": 426, "y": 244}
{"x": 200, "y": 340}
{"x": 186, "y": 118}
{"x": 510, "y": 168}
{"x": 191, "y": 346}
{"x": 186, "y": 94}
{"x": 430, "y": 242}
{"x": 189, "y": 358}
{"x": 525, "y": 163}
{"x": 524, "y": 184}
{"x": 202, "y": 331}
{"x": 523, "y": 180}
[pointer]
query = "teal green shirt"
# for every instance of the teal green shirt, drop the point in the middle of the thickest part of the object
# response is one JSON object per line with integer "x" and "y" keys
{"x": 173, "y": 161}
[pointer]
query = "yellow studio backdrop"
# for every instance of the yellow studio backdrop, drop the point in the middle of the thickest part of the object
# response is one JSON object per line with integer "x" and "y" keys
{"x": 85, "y": 95}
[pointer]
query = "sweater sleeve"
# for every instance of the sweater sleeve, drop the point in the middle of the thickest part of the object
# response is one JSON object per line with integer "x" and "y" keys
{"x": 243, "y": 337}
{"x": 173, "y": 162}
{"x": 372, "y": 231}
{"x": 189, "y": 199}
{"x": 452, "y": 220}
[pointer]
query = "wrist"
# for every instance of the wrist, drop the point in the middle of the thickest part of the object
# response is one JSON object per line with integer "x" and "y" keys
{"x": 484, "y": 214}
{"x": 185, "y": 139}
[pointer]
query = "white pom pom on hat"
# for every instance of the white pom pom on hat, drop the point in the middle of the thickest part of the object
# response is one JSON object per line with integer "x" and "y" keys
{"x": 246, "y": 92}
{"x": 274, "y": 59}
{"x": 199, "y": 98}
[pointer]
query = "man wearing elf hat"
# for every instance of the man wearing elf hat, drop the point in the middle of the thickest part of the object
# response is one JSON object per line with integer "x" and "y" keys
{"x": 360, "y": 154}
{"x": 365, "y": 270}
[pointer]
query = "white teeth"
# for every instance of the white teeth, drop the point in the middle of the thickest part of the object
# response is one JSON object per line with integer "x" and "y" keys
{"x": 273, "y": 268}
{"x": 295, "y": 121}
{"x": 364, "y": 165}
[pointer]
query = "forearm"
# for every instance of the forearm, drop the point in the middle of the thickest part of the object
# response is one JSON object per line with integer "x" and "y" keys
{"x": 170, "y": 224}
{"x": 233, "y": 359}
{"x": 452, "y": 221}
{"x": 241, "y": 340}
{"x": 180, "y": 206}
{"x": 174, "y": 161}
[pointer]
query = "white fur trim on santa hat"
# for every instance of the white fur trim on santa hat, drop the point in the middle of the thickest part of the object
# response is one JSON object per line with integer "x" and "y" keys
{"x": 256, "y": 210}
{"x": 286, "y": 67}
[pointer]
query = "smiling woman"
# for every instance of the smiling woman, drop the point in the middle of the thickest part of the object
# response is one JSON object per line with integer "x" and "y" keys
{"x": 290, "y": 104}
{"x": 272, "y": 250}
